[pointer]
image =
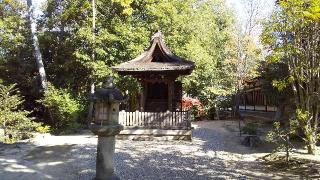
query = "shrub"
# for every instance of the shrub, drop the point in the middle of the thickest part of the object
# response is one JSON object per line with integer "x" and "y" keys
{"x": 194, "y": 105}
{"x": 281, "y": 137}
{"x": 15, "y": 122}
{"x": 63, "y": 108}
{"x": 250, "y": 128}
{"x": 43, "y": 129}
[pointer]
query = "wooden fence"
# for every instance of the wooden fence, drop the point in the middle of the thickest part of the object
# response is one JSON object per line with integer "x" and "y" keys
{"x": 156, "y": 120}
{"x": 258, "y": 108}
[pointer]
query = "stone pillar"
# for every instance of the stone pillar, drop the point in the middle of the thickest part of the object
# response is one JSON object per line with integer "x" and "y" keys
{"x": 104, "y": 164}
{"x": 105, "y": 150}
{"x": 106, "y": 126}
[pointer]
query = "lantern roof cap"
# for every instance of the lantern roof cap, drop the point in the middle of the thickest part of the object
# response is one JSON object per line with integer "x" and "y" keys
{"x": 108, "y": 94}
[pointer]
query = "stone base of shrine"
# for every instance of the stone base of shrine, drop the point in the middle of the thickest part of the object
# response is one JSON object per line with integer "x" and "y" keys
{"x": 154, "y": 134}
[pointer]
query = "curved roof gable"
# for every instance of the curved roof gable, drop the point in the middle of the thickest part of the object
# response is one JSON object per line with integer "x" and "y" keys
{"x": 157, "y": 58}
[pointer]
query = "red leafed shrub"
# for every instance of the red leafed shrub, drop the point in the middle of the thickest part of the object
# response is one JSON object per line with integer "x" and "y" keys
{"x": 193, "y": 104}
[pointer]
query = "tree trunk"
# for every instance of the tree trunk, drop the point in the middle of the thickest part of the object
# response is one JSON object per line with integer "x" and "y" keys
{"x": 311, "y": 144}
{"x": 90, "y": 108}
{"x": 37, "y": 53}
{"x": 217, "y": 112}
{"x": 311, "y": 149}
{"x": 4, "y": 129}
{"x": 236, "y": 112}
{"x": 281, "y": 113}
{"x": 287, "y": 149}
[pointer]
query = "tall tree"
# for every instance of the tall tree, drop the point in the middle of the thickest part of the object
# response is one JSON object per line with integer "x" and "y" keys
{"x": 292, "y": 36}
{"x": 90, "y": 109}
{"x": 196, "y": 30}
{"x": 17, "y": 64}
{"x": 253, "y": 13}
{"x": 247, "y": 54}
{"x": 37, "y": 53}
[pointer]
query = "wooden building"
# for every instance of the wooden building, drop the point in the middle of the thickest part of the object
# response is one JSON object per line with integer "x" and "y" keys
{"x": 254, "y": 99}
{"x": 157, "y": 69}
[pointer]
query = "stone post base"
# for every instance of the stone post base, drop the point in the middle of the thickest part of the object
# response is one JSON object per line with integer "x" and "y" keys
{"x": 104, "y": 164}
{"x": 105, "y": 150}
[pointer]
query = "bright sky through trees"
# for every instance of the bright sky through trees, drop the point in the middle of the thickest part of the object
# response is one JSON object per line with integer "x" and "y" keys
{"x": 239, "y": 8}
{"x": 236, "y": 5}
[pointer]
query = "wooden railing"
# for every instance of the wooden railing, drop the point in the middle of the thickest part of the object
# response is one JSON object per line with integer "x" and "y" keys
{"x": 258, "y": 108}
{"x": 156, "y": 120}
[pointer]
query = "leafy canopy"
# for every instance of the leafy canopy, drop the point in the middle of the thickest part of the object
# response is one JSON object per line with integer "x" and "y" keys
{"x": 196, "y": 30}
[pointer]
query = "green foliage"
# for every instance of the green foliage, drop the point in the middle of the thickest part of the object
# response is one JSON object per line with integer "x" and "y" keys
{"x": 218, "y": 101}
{"x": 16, "y": 63}
{"x": 64, "y": 109}
{"x": 72, "y": 128}
{"x": 15, "y": 122}
{"x": 197, "y": 112}
{"x": 292, "y": 36}
{"x": 250, "y": 128}
{"x": 209, "y": 49}
{"x": 43, "y": 129}
{"x": 199, "y": 31}
{"x": 245, "y": 56}
{"x": 75, "y": 56}
{"x": 281, "y": 137}
{"x": 275, "y": 82}
{"x": 225, "y": 102}
{"x": 303, "y": 118}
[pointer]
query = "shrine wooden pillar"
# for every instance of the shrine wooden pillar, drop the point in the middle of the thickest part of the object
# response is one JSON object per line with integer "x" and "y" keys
{"x": 143, "y": 95}
{"x": 170, "y": 94}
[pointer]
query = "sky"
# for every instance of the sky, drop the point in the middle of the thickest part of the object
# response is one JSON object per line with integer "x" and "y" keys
{"x": 265, "y": 10}
{"x": 37, "y": 4}
{"x": 266, "y": 7}
{"x": 238, "y": 6}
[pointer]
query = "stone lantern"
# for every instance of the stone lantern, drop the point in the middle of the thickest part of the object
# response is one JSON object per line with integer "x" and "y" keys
{"x": 105, "y": 124}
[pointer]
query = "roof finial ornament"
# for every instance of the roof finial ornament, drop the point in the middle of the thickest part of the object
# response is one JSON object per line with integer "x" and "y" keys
{"x": 157, "y": 35}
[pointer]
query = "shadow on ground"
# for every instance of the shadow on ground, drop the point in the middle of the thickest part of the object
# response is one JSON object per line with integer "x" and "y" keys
{"x": 214, "y": 153}
{"x": 229, "y": 141}
{"x": 48, "y": 162}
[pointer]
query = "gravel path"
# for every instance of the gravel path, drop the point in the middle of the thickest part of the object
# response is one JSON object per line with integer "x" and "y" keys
{"x": 214, "y": 153}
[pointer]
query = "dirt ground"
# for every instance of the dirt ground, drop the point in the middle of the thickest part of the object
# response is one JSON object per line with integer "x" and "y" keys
{"x": 214, "y": 153}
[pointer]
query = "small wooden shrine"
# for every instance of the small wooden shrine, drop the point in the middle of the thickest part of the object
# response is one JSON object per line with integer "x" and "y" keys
{"x": 157, "y": 69}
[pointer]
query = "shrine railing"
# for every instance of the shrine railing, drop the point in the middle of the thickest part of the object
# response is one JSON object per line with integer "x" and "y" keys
{"x": 156, "y": 120}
